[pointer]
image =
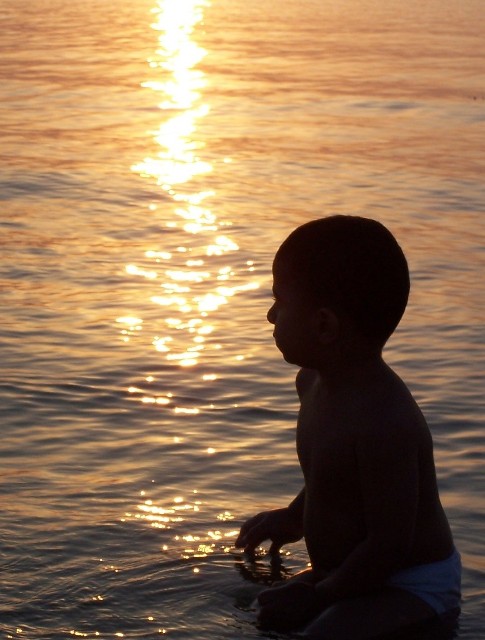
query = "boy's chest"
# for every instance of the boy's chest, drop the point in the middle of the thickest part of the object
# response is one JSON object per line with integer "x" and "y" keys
{"x": 325, "y": 444}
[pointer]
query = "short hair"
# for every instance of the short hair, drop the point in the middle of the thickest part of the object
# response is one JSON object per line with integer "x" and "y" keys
{"x": 354, "y": 265}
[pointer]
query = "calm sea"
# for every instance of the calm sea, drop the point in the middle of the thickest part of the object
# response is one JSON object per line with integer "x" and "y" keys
{"x": 154, "y": 155}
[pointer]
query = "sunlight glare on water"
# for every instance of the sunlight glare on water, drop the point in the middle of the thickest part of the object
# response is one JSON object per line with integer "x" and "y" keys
{"x": 193, "y": 280}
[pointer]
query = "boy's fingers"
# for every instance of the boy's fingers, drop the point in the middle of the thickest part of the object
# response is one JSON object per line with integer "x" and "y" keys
{"x": 244, "y": 534}
{"x": 242, "y": 537}
{"x": 252, "y": 538}
{"x": 239, "y": 541}
{"x": 246, "y": 540}
{"x": 251, "y": 544}
{"x": 274, "y": 549}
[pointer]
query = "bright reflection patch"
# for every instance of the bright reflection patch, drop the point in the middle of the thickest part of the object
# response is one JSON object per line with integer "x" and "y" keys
{"x": 178, "y": 517}
{"x": 190, "y": 274}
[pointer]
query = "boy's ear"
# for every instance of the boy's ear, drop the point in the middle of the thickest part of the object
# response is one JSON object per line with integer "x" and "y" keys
{"x": 327, "y": 325}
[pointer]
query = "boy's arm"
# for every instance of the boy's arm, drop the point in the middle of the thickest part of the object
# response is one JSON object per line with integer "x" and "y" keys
{"x": 296, "y": 507}
{"x": 278, "y": 525}
{"x": 388, "y": 473}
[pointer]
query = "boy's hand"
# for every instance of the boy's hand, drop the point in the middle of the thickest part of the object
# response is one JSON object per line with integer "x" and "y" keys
{"x": 276, "y": 525}
{"x": 288, "y": 606}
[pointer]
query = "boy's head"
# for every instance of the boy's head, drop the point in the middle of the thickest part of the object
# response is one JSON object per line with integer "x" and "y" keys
{"x": 351, "y": 265}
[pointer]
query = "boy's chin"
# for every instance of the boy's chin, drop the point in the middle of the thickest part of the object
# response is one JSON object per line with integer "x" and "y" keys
{"x": 294, "y": 360}
{"x": 303, "y": 363}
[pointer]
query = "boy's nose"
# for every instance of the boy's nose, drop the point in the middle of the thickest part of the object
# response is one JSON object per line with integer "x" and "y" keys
{"x": 271, "y": 315}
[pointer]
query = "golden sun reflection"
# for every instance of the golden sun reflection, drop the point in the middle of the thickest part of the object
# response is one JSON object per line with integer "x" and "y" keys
{"x": 176, "y": 59}
{"x": 176, "y": 517}
{"x": 195, "y": 273}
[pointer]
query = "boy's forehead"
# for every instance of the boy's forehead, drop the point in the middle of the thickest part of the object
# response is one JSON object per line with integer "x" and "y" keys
{"x": 281, "y": 276}
{"x": 287, "y": 284}
{"x": 286, "y": 270}
{"x": 280, "y": 269}
{"x": 291, "y": 284}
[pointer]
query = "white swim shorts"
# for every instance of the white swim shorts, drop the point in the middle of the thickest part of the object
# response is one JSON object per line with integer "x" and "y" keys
{"x": 437, "y": 583}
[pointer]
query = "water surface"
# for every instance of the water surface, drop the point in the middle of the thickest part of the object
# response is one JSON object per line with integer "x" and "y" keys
{"x": 155, "y": 154}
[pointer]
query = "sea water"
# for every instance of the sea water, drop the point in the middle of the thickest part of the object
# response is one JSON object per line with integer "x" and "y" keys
{"x": 154, "y": 155}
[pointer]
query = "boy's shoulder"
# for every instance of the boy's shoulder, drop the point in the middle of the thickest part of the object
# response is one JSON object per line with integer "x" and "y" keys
{"x": 378, "y": 405}
{"x": 305, "y": 379}
{"x": 388, "y": 416}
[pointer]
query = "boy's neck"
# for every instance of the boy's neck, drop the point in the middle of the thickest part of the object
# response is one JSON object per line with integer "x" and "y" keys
{"x": 348, "y": 372}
